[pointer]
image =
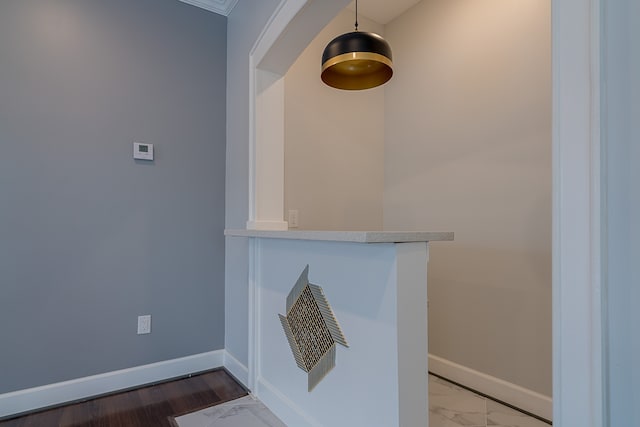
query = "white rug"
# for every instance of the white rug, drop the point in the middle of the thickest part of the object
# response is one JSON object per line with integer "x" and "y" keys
{"x": 243, "y": 412}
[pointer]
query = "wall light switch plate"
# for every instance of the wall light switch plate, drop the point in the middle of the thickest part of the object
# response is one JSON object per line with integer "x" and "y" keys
{"x": 142, "y": 151}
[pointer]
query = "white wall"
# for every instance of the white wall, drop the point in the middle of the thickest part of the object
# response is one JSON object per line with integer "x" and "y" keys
{"x": 334, "y": 142}
{"x": 468, "y": 149}
{"x": 244, "y": 25}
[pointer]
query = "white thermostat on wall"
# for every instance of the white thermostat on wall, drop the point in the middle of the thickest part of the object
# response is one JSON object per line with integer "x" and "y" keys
{"x": 142, "y": 151}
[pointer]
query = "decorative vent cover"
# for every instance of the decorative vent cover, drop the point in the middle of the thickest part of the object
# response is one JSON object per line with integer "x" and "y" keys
{"x": 312, "y": 329}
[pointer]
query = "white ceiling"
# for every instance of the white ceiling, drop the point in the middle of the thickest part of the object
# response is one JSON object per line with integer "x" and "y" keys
{"x": 382, "y": 11}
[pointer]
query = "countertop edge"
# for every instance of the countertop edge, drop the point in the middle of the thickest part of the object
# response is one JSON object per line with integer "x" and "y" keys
{"x": 347, "y": 236}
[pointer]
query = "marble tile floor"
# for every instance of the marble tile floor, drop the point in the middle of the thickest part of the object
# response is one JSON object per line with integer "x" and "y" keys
{"x": 243, "y": 412}
{"x": 453, "y": 406}
{"x": 449, "y": 406}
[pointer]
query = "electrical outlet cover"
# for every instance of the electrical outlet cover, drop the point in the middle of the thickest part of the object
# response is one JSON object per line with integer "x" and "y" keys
{"x": 144, "y": 324}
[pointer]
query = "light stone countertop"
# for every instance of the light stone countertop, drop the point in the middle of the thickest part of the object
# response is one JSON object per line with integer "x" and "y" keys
{"x": 347, "y": 236}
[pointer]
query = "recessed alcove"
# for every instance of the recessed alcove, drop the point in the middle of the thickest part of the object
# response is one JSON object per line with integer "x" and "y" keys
{"x": 577, "y": 123}
{"x": 459, "y": 139}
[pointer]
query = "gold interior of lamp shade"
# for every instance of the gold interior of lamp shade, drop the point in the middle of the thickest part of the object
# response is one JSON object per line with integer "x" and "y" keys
{"x": 357, "y": 70}
{"x": 357, "y": 60}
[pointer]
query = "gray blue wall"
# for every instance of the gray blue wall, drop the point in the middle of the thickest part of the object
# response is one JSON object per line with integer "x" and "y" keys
{"x": 621, "y": 136}
{"x": 90, "y": 238}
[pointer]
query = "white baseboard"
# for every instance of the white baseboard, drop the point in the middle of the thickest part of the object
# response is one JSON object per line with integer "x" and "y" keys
{"x": 53, "y": 394}
{"x": 81, "y": 388}
{"x": 237, "y": 369}
{"x": 512, "y": 394}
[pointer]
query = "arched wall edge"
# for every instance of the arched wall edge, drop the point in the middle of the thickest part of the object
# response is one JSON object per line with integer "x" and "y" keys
{"x": 288, "y": 32}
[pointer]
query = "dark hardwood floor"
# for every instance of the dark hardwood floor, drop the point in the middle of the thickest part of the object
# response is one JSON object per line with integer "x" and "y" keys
{"x": 150, "y": 406}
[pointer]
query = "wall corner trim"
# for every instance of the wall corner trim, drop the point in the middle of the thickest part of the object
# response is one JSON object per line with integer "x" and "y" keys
{"x": 26, "y": 400}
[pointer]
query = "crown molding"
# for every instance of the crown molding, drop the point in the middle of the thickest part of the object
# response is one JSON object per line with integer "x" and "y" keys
{"x": 223, "y": 7}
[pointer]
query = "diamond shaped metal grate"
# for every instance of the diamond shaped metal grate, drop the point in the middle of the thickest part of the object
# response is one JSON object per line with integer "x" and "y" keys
{"x": 311, "y": 329}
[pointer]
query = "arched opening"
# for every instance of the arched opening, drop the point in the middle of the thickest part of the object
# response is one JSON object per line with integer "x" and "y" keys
{"x": 577, "y": 363}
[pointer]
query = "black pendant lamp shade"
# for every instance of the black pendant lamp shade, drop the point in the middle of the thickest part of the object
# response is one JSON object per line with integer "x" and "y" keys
{"x": 357, "y": 60}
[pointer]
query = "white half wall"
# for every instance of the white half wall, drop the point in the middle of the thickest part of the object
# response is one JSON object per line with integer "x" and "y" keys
{"x": 378, "y": 294}
{"x": 468, "y": 149}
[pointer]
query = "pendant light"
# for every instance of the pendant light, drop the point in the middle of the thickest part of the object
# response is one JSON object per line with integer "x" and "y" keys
{"x": 357, "y": 60}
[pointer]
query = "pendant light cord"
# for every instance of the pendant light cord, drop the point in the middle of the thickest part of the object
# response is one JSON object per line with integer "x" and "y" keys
{"x": 356, "y": 15}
